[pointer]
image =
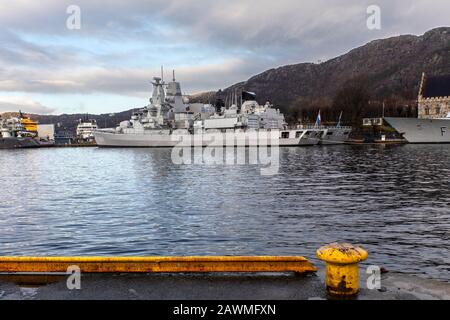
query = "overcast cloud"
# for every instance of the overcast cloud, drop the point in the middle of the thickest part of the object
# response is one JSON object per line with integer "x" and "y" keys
{"x": 23, "y": 104}
{"x": 211, "y": 44}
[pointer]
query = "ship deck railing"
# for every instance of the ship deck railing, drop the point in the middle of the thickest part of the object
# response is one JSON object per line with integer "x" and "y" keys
{"x": 311, "y": 126}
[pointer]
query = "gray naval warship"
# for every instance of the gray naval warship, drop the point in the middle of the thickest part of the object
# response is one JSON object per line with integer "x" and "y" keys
{"x": 170, "y": 118}
{"x": 432, "y": 124}
{"x": 416, "y": 130}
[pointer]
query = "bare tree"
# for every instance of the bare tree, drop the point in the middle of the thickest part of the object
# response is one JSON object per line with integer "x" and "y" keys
{"x": 353, "y": 99}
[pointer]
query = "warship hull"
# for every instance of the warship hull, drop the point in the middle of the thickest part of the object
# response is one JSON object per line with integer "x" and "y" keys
{"x": 422, "y": 130}
{"x": 154, "y": 140}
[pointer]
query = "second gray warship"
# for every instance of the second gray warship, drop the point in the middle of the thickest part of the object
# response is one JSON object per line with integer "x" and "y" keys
{"x": 432, "y": 124}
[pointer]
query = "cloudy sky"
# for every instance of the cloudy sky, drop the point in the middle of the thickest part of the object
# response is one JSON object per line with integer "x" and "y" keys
{"x": 106, "y": 64}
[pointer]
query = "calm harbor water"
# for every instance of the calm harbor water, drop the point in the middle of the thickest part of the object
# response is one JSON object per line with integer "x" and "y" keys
{"x": 392, "y": 200}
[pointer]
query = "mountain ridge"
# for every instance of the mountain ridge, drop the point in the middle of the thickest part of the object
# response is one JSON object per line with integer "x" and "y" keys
{"x": 392, "y": 65}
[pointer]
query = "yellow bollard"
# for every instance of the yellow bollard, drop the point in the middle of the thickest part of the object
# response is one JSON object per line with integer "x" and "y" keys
{"x": 342, "y": 267}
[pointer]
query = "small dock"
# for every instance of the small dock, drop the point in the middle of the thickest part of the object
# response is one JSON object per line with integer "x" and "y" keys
{"x": 75, "y": 145}
{"x": 211, "y": 286}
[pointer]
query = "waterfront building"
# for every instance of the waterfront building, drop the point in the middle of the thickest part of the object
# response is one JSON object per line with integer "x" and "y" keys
{"x": 434, "y": 97}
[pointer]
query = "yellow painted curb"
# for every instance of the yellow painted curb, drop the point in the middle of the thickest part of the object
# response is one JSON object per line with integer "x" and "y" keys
{"x": 159, "y": 264}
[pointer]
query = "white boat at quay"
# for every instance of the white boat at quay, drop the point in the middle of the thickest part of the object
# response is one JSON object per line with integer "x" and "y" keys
{"x": 85, "y": 129}
{"x": 170, "y": 120}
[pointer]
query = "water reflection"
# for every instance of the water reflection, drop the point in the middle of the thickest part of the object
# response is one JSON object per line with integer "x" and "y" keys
{"x": 393, "y": 200}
